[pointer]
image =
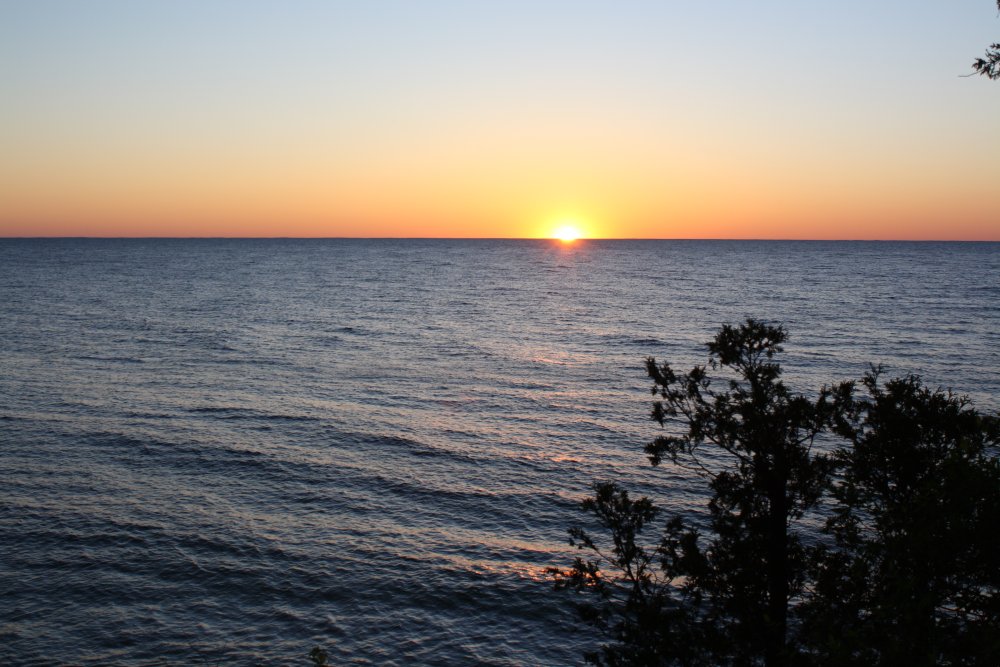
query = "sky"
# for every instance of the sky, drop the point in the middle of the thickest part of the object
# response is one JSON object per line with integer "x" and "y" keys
{"x": 405, "y": 118}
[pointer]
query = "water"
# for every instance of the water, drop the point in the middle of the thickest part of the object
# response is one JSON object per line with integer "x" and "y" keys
{"x": 227, "y": 452}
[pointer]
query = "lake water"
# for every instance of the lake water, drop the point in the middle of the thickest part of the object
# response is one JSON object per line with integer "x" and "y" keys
{"x": 230, "y": 451}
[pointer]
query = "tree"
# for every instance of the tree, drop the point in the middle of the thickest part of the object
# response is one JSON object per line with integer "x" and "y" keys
{"x": 989, "y": 66}
{"x": 722, "y": 599}
{"x": 906, "y": 571}
{"x": 914, "y": 575}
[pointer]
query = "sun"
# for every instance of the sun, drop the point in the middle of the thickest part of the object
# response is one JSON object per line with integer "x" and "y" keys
{"x": 566, "y": 233}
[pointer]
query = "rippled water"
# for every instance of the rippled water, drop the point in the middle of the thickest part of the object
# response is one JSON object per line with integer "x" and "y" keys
{"x": 228, "y": 452}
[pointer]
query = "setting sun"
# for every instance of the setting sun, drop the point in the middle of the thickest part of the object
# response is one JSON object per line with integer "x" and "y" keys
{"x": 566, "y": 233}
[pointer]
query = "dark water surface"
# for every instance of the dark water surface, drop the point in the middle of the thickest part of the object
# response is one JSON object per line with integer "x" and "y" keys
{"x": 229, "y": 451}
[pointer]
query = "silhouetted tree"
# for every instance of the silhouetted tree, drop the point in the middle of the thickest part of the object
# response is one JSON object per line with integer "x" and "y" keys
{"x": 906, "y": 571}
{"x": 915, "y": 573}
{"x": 721, "y": 599}
{"x": 989, "y": 66}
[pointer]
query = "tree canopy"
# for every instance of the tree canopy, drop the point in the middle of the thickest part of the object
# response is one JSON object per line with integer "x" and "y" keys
{"x": 883, "y": 550}
{"x": 914, "y": 574}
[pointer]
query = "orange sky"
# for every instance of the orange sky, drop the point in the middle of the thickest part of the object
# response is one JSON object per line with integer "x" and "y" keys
{"x": 447, "y": 121}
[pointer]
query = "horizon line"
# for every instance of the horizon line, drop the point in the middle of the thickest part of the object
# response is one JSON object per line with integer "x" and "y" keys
{"x": 496, "y": 238}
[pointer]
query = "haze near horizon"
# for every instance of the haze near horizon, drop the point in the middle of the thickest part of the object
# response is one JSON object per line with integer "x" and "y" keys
{"x": 450, "y": 119}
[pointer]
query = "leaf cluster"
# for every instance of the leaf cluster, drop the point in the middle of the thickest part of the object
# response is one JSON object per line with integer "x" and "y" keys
{"x": 989, "y": 66}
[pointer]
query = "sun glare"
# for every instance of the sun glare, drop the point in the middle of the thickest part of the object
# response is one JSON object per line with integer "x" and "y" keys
{"x": 566, "y": 233}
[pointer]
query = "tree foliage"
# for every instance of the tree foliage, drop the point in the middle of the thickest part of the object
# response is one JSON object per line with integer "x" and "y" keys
{"x": 905, "y": 572}
{"x": 914, "y": 575}
{"x": 989, "y": 65}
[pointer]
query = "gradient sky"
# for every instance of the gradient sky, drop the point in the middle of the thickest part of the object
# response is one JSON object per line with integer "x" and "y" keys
{"x": 670, "y": 119}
